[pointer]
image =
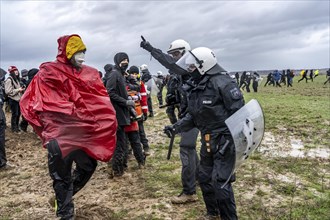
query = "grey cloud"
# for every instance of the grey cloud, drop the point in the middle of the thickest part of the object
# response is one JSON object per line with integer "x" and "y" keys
{"x": 241, "y": 33}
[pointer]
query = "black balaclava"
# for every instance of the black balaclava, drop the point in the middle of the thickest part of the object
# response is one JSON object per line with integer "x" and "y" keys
{"x": 195, "y": 75}
{"x": 120, "y": 57}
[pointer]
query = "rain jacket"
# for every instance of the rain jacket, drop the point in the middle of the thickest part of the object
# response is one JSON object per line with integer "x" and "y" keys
{"x": 71, "y": 106}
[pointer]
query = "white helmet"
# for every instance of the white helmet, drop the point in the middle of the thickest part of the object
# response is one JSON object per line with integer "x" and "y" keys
{"x": 179, "y": 45}
{"x": 202, "y": 58}
{"x": 248, "y": 73}
{"x": 143, "y": 67}
{"x": 159, "y": 72}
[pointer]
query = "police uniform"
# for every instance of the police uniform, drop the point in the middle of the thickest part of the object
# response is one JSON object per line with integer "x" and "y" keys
{"x": 211, "y": 101}
{"x": 188, "y": 154}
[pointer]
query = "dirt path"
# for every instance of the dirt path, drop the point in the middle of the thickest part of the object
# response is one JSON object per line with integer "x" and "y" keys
{"x": 26, "y": 189}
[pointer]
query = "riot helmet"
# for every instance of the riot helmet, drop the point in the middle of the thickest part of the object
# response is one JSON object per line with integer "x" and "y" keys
{"x": 178, "y": 48}
{"x": 201, "y": 58}
{"x": 143, "y": 67}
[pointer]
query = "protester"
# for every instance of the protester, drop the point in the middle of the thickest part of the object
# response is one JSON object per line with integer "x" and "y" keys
{"x": 3, "y": 159}
{"x": 30, "y": 74}
{"x": 2, "y": 86}
{"x": 283, "y": 77}
{"x": 311, "y": 74}
{"x": 208, "y": 112}
{"x": 327, "y": 77}
{"x": 107, "y": 68}
{"x": 116, "y": 87}
{"x": 134, "y": 71}
{"x": 69, "y": 108}
{"x": 188, "y": 154}
{"x": 270, "y": 79}
{"x": 289, "y": 76}
{"x": 24, "y": 77}
{"x": 303, "y": 74}
{"x": 277, "y": 77}
{"x": 132, "y": 130}
{"x": 14, "y": 90}
{"x": 237, "y": 77}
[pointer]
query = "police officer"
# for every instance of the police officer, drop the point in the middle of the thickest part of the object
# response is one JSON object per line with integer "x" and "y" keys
{"x": 213, "y": 97}
{"x": 160, "y": 82}
{"x": 188, "y": 155}
{"x": 173, "y": 97}
{"x": 146, "y": 76}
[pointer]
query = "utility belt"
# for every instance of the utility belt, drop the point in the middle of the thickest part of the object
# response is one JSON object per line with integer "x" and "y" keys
{"x": 216, "y": 142}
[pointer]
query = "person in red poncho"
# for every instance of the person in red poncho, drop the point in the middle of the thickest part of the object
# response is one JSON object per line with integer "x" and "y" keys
{"x": 69, "y": 108}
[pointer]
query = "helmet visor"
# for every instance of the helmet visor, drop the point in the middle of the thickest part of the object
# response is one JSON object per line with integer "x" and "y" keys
{"x": 187, "y": 62}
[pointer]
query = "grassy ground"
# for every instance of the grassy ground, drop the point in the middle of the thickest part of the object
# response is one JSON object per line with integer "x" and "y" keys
{"x": 272, "y": 184}
{"x": 274, "y": 187}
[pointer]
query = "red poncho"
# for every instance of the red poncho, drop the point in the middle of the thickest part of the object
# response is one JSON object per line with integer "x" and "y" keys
{"x": 72, "y": 107}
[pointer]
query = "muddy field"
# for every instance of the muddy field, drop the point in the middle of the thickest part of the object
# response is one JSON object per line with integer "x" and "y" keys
{"x": 26, "y": 189}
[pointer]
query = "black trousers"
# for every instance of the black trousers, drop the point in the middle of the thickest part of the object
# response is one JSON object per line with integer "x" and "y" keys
{"x": 215, "y": 168}
{"x": 119, "y": 158}
{"x": 189, "y": 160}
{"x": 24, "y": 124}
{"x": 134, "y": 139}
{"x": 143, "y": 136}
{"x": 65, "y": 182}
{"x": 15, "y": 114}
{"x": 149, "y": 102}
{"x": 160, "y": 95}
{"x": 3, "y": 159}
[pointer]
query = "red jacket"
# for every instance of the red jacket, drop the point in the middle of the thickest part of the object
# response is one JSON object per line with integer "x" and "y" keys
{"x": 71, "y": 106}
{"x": 144, "y": 98}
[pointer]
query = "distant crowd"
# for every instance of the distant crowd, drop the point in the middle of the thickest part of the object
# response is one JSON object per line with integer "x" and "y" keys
{"x": 83, "y": 117}
{"x": 276, "y": 78}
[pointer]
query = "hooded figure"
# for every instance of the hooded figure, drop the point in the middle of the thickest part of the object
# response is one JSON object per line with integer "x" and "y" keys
{"x": 69, "y": 108}
{"x": 60, "y": 98}
{"x": 116, "y": 87}
{"x": 107, "y": 69}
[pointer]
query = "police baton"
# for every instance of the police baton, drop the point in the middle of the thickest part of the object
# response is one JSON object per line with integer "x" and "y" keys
{"x": 170, "y": 146}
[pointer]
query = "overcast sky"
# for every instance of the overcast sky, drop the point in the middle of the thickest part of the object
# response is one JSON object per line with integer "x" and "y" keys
{"x": 245, "y": 35}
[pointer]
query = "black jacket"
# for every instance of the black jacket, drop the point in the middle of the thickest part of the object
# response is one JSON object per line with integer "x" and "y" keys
{"x": 170, "y": 63}
{"x": 215, "y": 98}
{"x": 116, "y": 87}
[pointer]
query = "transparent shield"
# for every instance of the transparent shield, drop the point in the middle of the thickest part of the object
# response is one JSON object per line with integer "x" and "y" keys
{"x": 247, "y": 127}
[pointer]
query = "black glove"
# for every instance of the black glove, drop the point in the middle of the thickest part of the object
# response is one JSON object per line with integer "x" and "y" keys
{"x": 133, "y": 114}
{"x": 169, "y": 130}
{"x": 130, "y": 103}
{"x": 146, "y": 45}
{"x": 145, "y": 116}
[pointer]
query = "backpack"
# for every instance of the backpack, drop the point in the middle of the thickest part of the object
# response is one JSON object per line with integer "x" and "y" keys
{"x": 5, "y": 95}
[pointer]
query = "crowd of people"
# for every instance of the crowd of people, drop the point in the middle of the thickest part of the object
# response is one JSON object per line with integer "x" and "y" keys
{"x": 66, "y": 101}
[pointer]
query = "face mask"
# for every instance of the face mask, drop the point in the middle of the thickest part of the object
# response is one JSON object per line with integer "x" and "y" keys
{"x": 195, "y": 75}
{"x": 123, "y": 66}
{"x": 79, "y": 58}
